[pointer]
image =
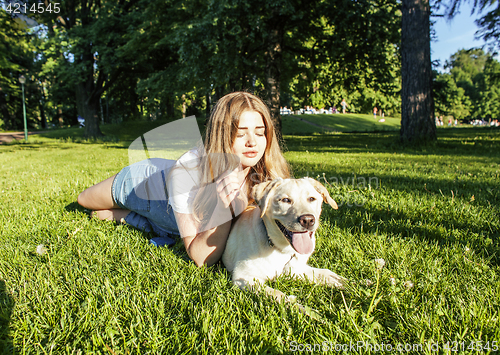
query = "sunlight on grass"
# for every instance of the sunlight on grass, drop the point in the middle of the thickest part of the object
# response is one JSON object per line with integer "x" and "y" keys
{"x": 304, "y": 124}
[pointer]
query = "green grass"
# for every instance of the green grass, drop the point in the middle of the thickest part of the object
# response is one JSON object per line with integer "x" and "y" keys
{"x": 348, "y": 122}
{"x": 432, "y": 214}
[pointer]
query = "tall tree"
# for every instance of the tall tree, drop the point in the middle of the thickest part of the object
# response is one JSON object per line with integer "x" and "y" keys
{"x": 466, "y": 68}
{"x": 361, "y": 40}
{"x": 94, "y": 32}
{"x": 417, "y": 107}
{"x": 16, "y": 58}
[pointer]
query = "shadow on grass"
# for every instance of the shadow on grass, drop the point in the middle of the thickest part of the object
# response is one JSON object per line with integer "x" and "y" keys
{"x": 460, "y": 142}
{"x": 75, "y": 207}
{"x": 177, "y": 248}
{"x": 6, "y": 306}
{"x": 429, "y": 223}
{"x": 124, "y": 132}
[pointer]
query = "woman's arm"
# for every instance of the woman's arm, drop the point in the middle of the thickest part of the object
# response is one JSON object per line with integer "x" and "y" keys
{"x": 205, "y": 241}
{"x": 204, "y": 248}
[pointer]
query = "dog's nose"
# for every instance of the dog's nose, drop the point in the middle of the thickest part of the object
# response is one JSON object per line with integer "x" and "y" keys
{"x": 307, "y": 220}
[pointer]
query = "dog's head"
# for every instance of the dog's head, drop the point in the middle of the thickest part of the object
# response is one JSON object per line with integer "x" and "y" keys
{"x": 290, "y": 209}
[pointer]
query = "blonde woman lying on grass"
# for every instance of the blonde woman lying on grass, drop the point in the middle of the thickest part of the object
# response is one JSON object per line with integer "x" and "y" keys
{"x": 240, "y": 150}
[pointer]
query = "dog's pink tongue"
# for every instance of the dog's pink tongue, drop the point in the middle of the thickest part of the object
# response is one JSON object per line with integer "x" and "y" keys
{"x": 302, "y": 242}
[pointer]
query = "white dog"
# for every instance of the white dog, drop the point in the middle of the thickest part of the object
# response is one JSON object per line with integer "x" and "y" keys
{"x": 278, "y": 237}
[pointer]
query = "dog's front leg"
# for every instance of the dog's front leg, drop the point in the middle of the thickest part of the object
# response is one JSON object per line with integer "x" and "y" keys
{"x": 320, "y": 276}
{"x": 255, "y": 285}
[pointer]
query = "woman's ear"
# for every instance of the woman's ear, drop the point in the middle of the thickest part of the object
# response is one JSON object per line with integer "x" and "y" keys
{"x": 262, "y": 193}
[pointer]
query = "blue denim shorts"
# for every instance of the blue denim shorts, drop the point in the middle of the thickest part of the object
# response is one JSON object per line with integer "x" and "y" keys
{"x": 141, "y": 188}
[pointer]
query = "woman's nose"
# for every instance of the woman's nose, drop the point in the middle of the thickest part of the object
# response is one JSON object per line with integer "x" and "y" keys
{"x": 251, "y": 140}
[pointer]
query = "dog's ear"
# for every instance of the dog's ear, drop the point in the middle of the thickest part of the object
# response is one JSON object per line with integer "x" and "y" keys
{"x": 261, "y": 193}
{"x": 324, "y": 192}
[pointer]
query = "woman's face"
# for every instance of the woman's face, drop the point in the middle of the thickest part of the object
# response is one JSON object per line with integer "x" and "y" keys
{"x": 250, "y": 142}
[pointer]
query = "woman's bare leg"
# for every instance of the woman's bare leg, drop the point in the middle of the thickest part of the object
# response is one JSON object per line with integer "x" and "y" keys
{"x": 99, "y": 199}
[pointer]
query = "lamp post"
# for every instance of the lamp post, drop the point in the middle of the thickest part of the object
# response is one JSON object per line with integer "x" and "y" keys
{"x": 22, "y": 80}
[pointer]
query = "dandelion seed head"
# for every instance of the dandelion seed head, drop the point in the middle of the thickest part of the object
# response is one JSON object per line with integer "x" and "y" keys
{"x": 408, "y": 284}
{"x": 368, "y": 282}
{"x": 41, "y": 250}
{"x": 379, "y": 263}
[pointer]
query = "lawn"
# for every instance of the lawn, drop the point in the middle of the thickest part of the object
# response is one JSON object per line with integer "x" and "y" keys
{"x": 349, "y": 122}
{"x": 432, "y": 214}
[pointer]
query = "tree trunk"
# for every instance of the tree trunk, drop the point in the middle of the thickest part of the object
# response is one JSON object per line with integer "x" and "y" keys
{"x": 88, "y": 108}
{"x": 273, "y": 70}
{"x": 417, "y": 106}
{"x": 8, "y": 119}
{"x": 208, "y": 109}
{"x": 183, "y": 98}
{"x": 43, "y": 119}
{"x": 41, "y": 103}
{"x": 170, "y": 102}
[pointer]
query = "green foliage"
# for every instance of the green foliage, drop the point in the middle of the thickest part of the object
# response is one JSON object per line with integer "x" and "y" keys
{"x": 352, "y": 54}
{"x": 450, "y": 100}
{"x": 16, "y": 58}
{"x": 488, "y": 85}
{"x": 150, "y": 58}
{"x": 490, "y": 24}
{"x": 471, "y": 88}
{"x": 211, "y": 48}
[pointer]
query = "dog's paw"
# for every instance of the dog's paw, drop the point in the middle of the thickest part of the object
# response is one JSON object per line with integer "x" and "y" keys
{"x": 332, "y": 279}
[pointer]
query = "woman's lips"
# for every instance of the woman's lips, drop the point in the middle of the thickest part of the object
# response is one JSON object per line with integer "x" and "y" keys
{"x": 250, "y": 154}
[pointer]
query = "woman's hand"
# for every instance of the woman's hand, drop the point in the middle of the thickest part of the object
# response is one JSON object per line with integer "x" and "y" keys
{"x": 229, "y": 186}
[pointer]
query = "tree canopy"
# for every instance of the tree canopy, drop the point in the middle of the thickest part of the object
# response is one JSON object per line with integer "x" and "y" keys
{"x": 121, "y": 60}
{"x": 471, "y": 88}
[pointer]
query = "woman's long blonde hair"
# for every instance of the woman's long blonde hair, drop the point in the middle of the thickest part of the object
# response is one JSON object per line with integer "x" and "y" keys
{"x": 222, "y": 127}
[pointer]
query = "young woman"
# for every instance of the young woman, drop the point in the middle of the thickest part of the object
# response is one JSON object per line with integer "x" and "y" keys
{"x": 206, "y": 189}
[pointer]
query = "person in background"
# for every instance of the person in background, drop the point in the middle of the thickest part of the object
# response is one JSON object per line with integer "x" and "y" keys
{"x": 344, "y": 105}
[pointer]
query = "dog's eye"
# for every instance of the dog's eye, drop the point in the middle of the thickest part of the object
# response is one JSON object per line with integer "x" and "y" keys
{"x": 311, "y": 199}
{"x": 286, "y": 200}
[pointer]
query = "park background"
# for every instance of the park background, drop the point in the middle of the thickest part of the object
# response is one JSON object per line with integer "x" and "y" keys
{"x": 145, "y": 60}
{"x": 70, "y": 284}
